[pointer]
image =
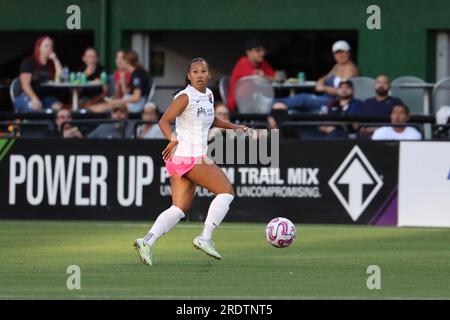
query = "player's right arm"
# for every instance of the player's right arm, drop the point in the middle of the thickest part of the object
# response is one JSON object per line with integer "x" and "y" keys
{"x": 177, "y": 107}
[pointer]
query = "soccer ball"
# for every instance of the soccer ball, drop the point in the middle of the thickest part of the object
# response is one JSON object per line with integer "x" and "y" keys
{"x": 280, "y": 232}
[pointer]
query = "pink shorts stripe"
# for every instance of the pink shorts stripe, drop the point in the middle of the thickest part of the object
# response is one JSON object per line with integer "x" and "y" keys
{"x": 181, "y": 165}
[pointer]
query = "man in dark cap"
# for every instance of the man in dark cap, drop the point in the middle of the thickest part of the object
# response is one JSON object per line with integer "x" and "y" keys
{"x": 344, "y": 104}
{"x": 252, "y": 63}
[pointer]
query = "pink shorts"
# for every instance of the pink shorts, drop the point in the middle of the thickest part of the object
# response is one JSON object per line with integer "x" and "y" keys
{"x": 181, "y": 165}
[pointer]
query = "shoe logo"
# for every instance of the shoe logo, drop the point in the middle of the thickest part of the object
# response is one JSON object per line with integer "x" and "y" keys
{"x": 357, "y": 174}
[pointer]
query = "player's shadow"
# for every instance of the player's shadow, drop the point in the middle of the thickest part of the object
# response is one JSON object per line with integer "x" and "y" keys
{"x": 206, "y": 266}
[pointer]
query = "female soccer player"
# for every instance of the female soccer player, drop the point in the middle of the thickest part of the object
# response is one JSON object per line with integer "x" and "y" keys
{"x": 187, "y": 163}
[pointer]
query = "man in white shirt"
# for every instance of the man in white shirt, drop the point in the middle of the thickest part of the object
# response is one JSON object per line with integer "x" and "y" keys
{"x": 399, "y": 116}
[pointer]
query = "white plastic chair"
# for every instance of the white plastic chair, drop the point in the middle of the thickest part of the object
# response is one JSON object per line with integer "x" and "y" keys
{"x": 254, "y": 94}
{"x": 441, "y": 94}
{"x": 15, "y": 89}
{"x": 224, "y": 88}
{"x": 364, "y": 87}
{"x": 151, "y": 93}
{"x": 412, "y": 97}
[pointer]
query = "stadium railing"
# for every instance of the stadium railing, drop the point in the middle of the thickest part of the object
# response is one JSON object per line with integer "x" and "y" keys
{"x": 17, "y": 129}
{"x": 310, "y": 129}
{"x": 257, "y": 121}
{"x": 86, "y": 126}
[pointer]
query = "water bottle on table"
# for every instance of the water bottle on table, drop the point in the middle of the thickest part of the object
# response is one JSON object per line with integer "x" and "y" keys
{"x": 104, "y": 77}
{"x": 301, "y": 77}
{"x": 83, "y": 78}
{"x": 65, "y": 74}
{"x": 73, "y": 78}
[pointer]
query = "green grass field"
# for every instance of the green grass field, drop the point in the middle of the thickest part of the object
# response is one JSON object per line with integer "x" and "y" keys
{"x": 325, "y": 262}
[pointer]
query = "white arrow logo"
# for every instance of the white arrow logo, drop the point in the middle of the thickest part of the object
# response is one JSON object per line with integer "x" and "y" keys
{"x": 356, "y": 171}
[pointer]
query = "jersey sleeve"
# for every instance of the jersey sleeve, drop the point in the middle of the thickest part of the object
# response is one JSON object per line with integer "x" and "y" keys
{"x": 137, "y": 82}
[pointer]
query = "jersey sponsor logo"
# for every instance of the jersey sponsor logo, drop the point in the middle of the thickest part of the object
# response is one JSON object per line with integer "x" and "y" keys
{"x": 210, "y": 111}
{"x": 201, "y": 110}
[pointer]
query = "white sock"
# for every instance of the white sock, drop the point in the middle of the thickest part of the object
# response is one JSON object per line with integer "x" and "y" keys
{"x": 165, "y": 221}
{"x": 217, "y": 211}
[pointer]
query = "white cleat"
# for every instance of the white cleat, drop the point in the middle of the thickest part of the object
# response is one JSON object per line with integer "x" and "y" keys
{"x": 206, "y": 246}
{"x": 145, "y": 251}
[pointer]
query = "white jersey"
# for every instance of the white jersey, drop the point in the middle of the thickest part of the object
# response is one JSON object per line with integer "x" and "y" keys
{"x": 192, "y": 125}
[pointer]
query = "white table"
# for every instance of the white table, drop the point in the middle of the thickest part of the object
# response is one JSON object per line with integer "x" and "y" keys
{"x": 294, "y": 86}
{"x": 73, "y": 87}
{"x": 427, "y": 91}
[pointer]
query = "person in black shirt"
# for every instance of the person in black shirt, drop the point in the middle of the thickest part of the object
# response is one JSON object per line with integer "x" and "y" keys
{"x": 380, "y": 105}
{"x": 93, "y": 71}
{"x": 345, "y": 104}
{"x": 139, "y": 89}
{"x": 136, "y": 98}
{"x": 39, "y": 68}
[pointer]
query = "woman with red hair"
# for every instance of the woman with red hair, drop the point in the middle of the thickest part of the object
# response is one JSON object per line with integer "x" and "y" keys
{"x": 36, "y": 69}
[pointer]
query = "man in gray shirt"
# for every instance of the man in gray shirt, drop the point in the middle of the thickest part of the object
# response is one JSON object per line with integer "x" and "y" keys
{"x": 123, "y": 128}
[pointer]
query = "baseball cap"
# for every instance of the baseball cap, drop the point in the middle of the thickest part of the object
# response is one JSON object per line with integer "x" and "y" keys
{"x": 341, "y": 45}
{"x": 253, "y": 43}
{"x": 347, "y": 82}
{"x": 121, "y": 106}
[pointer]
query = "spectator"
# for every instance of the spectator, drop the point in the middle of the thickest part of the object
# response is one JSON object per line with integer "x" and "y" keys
{"x": 122, "y": 78}
{"x": 399, "y": 116}
{"x": 221, "y": 111}
{"x": 150, "y": 130}
{"x": 139, "y": 88}
{"x": 345, "y": 104}
{"x": 41, "y": 67}
{"x": 278, "y": 116}
{"x": 93, "y": 71}
{"x": 380, "y": 105}
{"x": 121, "y": 128}
{"x": 252, "y": 63}
{"x": 140, "y": 83}
{"x": 327, "y": 85}
{"x": 63, "y": 129}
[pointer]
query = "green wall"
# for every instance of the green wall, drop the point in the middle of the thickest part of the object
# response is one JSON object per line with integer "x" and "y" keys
{"x": 404, "y": 45}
